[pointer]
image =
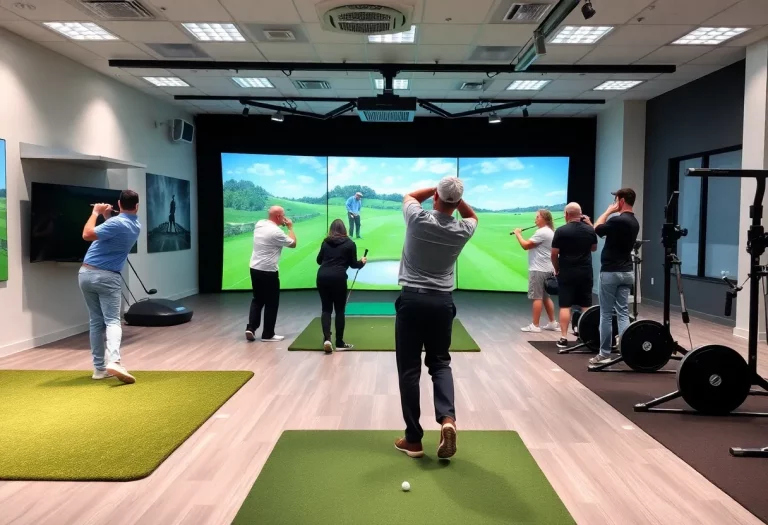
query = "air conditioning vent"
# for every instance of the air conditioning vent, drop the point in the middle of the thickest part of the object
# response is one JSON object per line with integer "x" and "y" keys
{"x": 472, "y": 86}
{"x": 278, "y": 35}
{"x": 526, "y": 13}
{"x": 118, "y": 9}
{"x": 386, "y": 108}
{"x": 178, "y": 51}
{"x": 311, "y": 84}
{"x": 365, "y": 19}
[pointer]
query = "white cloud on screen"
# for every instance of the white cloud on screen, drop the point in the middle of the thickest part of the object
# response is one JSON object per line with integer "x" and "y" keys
{"x": 558, "y": 193}
{"x": 487, "y": 167}
{"x": 519, "y": 183}
{"x": 483, "y": 188}
{"x": 314, "y": 163}
{"x": 341, "y": 171}
{"x": 388, "y": 180}
{"x": 305, "y": 179}
{"x": 264, "y": 170}
{"x": 513, "y": 164}
{"x": 436, "y": 166}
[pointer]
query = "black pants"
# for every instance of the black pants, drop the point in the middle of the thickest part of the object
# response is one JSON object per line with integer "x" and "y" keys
{"x": 266, "y": 295}
{"x": 354, "y": 220}
{"x": 424, "y": 321}
{"x": 333, "y": 296}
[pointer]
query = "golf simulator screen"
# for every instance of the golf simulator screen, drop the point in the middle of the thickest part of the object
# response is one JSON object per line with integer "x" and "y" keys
{"x": 505, "y": 193}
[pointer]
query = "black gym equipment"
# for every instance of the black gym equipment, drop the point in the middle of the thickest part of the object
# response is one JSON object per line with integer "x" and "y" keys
{"x": 646, "y": 345}
{"x": 154, "y": 312}
{"x": 715, "y": 379}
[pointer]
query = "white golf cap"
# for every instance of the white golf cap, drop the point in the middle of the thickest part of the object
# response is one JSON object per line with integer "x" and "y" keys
{"x": 358, "y": 193}
{"x": 450, "y": 190}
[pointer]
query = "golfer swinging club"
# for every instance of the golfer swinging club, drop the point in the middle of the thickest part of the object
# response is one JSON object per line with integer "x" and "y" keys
{"x": 354, "y": 203}
{"x": 425, "y": 309}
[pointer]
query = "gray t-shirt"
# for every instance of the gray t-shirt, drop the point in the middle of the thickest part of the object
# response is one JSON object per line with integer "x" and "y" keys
{"x": 540, "y": 257}
{"x": 433, "y": 242}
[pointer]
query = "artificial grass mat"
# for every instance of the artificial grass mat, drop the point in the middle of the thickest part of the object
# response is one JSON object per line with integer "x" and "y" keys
{"x": 374, "y": 334}
{"x": 371, "y": 308}
{"x": 354, "y": 477}
{"x": 63, "y": 425}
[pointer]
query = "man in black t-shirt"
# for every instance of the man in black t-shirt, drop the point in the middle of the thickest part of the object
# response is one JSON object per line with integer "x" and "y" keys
{"x": 572, "y": 248}
{"x": 616, "y": 275}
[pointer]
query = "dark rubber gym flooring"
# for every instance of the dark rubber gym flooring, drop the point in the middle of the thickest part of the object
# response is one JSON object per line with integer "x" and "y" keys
{"x": 700, "y": 441}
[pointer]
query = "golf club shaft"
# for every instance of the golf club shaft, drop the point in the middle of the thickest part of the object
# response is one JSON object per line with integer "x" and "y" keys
{"x": 534, "y": 226}
{"x": 137, "y": 276}
{"x": 365, "y": 254}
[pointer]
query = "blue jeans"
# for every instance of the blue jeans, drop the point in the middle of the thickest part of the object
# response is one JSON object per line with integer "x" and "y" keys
{"x": 101, "y": 290}
{"x": 614, "y": 295}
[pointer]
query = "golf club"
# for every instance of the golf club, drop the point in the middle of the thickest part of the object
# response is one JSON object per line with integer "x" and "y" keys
{"x": 365, "y": 254}
{"x": 534, "y": 226}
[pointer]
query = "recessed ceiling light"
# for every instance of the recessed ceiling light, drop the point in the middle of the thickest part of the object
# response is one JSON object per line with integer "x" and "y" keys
{"x": 166, "y": 81}
{"x": 527, "y": 85}
{"x": 710, "y": 36}
{"x": 580, "y": 34}
{"x": 617, "y": 85}
{"x": 253, "y": 82}
{"x": 214, "y": 32}
{"x": 406, "y": 37}
{"x": 398, "y": 83}
{"x": 81, "y": 30}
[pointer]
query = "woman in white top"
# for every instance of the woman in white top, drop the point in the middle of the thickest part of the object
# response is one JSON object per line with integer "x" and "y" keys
{"x": 539, "y": 248}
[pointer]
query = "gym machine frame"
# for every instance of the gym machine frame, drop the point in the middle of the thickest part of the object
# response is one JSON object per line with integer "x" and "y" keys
{"x": 714, "y": 379}
{"x": 652, "y": 343}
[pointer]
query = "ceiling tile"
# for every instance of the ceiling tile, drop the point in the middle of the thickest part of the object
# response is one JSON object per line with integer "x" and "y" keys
{"x": 148, "y": 32}
{"x": 232, "y": 51}
{"x": 750, "y": 37}
{"x": 354, "y": 93}
{"x": 351, "y": 83}
{"x": 681, "y": 11}
{"x": 102, "y": 66}
{"x": 442, "y": 53}
{"x": 645, "y": 35}
{"x": 428, "y": 84}
{"x": 565, "y": 110}
{"x": 689, "y": 72}
{"x": 182, "y": 91}
{"x": 144, "y": 72}
{"x": 598, "y": 95}
{"x": 611, "y": 12}
{"x": 572, "y": 87}
{"x": 429, "y": 93}
{"x": 8, "y": 16}
{"x": 288, "y": 52}
{"x": 377, "y": 53}
{"x": 722, "y": 56}
{"x": 71, "y": 50}
{"x": 115, "y": 50}
{"x": 459, "y": 11}
{"x": 317, "y": 34}
{"x": 563, "y": 54}
{"x": 341, "y": 53}
{"x": 617, "y": 54}
{"x": 674, "y": 54}
{"x": 505, "y": 35}
{"x": 447, "y": 33}
{"x": 307, "y": 11}
{"x": 32, "y": 31}
{"x": 745, "y": 13}
{"x": 271, "y": 11}
{"x": 47, "y": 11}
{"x": 191, "y": 10}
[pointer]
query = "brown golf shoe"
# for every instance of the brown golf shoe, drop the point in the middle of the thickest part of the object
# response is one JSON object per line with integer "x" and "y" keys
{"x": 447, "y": 447}
{"x": 413, "y": 450}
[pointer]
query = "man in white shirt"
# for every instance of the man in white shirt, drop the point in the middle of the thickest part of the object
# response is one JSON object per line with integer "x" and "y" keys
{"x": 268, "y": 243}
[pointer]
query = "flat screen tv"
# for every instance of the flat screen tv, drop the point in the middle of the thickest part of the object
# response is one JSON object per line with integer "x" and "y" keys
{"x": 59, "y": 213}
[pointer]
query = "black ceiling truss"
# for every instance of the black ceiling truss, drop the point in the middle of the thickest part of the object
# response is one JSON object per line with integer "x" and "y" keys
{"x": 293, "y": 111}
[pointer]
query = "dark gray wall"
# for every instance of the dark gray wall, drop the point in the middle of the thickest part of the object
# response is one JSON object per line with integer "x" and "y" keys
{"x": 703, "y": 115}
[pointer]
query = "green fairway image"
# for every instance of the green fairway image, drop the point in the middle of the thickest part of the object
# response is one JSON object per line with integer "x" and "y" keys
{"x": 3, "y": 217}
{"x": 505, "y": 192}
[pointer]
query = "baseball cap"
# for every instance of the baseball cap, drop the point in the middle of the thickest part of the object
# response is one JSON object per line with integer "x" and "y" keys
{"x": 450, "y": 190}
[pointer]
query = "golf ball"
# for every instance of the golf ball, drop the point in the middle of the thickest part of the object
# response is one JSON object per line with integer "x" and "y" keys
{"x": 406, "y": 486}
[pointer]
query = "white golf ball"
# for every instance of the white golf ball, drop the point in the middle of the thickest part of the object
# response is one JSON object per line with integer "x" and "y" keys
{"x": 406, "y": 486}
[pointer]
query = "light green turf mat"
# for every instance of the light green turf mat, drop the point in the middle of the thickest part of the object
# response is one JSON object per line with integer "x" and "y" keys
{"x": 355, "y": 477}
{"x": 63, "y": 425}
{"x": 375, "y": 334}
{"x": 371, "y": 308}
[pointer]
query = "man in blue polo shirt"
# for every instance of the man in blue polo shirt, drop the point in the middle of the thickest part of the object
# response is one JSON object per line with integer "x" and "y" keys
{"x": 101, "y": 283}
{"x": 354, "y": 203}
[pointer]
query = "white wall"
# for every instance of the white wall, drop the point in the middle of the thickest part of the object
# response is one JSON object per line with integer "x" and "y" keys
{"x": 49, "y": 100}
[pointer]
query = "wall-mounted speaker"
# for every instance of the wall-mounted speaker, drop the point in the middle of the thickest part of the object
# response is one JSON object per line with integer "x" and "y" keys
{"x": 182, "y": 131}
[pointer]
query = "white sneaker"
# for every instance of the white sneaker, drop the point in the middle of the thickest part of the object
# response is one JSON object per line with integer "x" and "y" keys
{"x": 119, "y": 371}
{"x": 328, "y": 347}
{"x": 273, "y": 339}
{"x": 101, "y": 374}
{"x": 552, "y": 327}
{"x": 531, "y": 328}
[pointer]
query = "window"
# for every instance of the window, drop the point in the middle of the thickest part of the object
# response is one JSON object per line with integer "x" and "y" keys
{"x": 709, "y": 209}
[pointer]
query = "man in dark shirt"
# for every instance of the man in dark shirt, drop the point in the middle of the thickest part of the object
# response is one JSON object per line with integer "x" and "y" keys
{"x": 616, "y": 276}
{"x": 572, "y": 248}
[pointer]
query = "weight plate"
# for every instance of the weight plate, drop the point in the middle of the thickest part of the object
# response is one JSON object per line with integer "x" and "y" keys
{"x": 714, "y": 379}
{"x": 646, "y": 346}
{"x": 589, "y": 328}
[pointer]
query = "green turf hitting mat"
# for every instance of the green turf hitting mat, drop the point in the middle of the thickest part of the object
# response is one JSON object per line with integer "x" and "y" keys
{"x": 63, "y": 425}
{"x": 355, "y": 477}
{"x": 376, "y": 334}
{"x": 371, "y": 308}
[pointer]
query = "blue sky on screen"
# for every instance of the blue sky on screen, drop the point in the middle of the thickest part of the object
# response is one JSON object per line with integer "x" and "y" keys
{"x": 389, "y": 174}
{"x": 514, "y": 182}
{"x": 287, "y": 176}
{"x": 2, "y": 164}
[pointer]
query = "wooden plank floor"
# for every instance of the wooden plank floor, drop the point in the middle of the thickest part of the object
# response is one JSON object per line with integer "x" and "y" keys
{"x": 605, "y": 470}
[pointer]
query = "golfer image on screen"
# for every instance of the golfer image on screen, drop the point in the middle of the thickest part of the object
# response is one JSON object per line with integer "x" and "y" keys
{"x": 354, "y": 203}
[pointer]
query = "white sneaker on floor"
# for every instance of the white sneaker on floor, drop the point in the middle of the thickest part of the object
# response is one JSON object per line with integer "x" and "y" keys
{"x": 552, "y": 327}
{"x": 531, "y": 328}
{"x": 273, "y": 339}
{"x": 101, "y": 374}
{"x": 328, "y": 347}
{"x": 119, "y": 371}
